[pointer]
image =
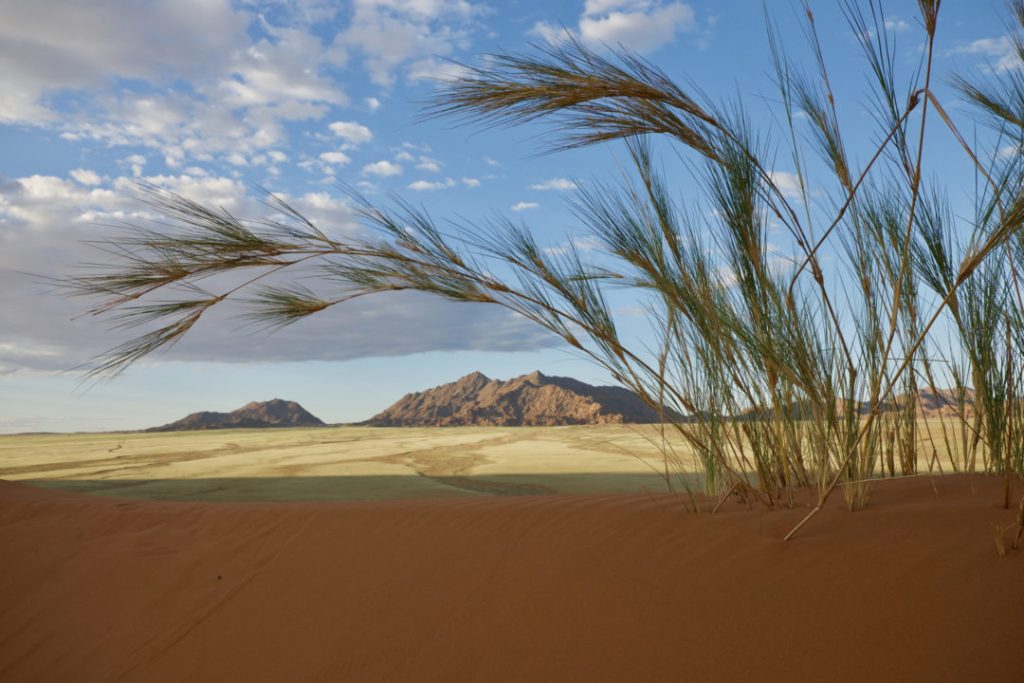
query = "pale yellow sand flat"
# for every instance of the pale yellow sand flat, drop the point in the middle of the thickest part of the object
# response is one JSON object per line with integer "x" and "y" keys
{"x": 352, "y": 463}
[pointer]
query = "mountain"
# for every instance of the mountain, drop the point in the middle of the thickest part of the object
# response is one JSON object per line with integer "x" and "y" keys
{"x": 529, "y": 400}
{"x": 941, "y": 403}
{"x": 275, "y": 413}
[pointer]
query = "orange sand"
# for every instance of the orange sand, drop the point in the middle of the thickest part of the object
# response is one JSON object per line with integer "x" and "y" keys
{"x": 561, "y": 588}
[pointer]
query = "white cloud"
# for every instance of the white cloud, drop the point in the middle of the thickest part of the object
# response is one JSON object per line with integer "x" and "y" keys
{"x": 372, "y": 103}
{"x": 644, "y": 31}
{"x": 1009, "y": 151}
{"x": 896, "y": 24}
{"x": 552, "y": 33}
{"x": 561, "y": 184}
{"x": 433, "y": 69}
{"x": 471, "y": 182}
{"x": 383, "y": 168}
{"x": 281, "y": 71}
{"x": 136, "y": 162}
{"x": 581, "y": 243}
{"x": 639, "y": 25}
{"x": 414, "y": 34}
{"x": 335, "y": 158}
{"x": 426, "y": 185}
{"x": 605, "y": 6}
{"x": 351, "y": 132}
{"x": 428, "y": 164}
{"x": 86, "y": 177}
{"x": 491, "y": 162}
{"x": 788, "y": 184}
{"x": 1000, "y": 52}
{"x": 523, "y": 206}
{"x": 587, "y": 243}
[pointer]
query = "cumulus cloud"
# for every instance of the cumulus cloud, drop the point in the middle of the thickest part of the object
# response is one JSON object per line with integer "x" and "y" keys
{"x": 896, "y": 24}
{"x": 561, "y": 184}
{"x": 136, "y": 162}
{"x": 1000, "y": 53}
{"x": 372, "y": 103}
{"x": 390, "y": 35}
{"x": 86, "y": 177}
{"x": 428, "y": 164}
{"x": 788, "y": 184}
{"x": 426, "y": 185}
{"x": 524, "y": 206}
{"x": 335, "y": 158}
{"x": 351, "y": 132}
{"x": 433, "y": 69}
{"x": 579, "y": 243}
{"x": 382, "y": 168}
{"x": 639, "y": 25}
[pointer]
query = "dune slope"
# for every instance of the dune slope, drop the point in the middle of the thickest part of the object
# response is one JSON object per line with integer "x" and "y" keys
{"x": 596, "y": 588}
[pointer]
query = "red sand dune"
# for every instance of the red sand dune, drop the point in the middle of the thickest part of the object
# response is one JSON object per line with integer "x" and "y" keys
{"x": 586, "y": 588}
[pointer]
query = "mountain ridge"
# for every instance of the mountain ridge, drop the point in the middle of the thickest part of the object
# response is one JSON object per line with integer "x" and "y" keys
{"x": 528, "y": 400}
{"x": 275, "y": 413}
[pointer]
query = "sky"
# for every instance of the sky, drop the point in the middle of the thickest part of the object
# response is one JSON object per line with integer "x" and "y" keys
{"x": 215, "y": 99}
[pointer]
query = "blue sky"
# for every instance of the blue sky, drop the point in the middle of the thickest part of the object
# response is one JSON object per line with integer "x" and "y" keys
{"x": 212, "y": 98}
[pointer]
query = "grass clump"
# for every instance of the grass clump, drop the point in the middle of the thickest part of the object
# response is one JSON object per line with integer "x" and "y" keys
{"x": 779, "y": 371}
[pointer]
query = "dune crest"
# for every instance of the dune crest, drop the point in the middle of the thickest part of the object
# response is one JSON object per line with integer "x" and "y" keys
{"x": 553, "y": 588}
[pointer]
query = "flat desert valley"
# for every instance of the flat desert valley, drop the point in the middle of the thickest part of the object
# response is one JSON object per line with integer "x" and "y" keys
{"x": 342, "y": 463}
{"x": 359, "y": 463}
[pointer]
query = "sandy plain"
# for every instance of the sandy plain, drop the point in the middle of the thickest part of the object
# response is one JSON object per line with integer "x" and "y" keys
{"x": 339, "y": 463}
{"x": 353, "y": 463}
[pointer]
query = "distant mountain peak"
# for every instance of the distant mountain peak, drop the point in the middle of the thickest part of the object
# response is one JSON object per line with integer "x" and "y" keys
{"x": 535, "y": 399}
{"x": 256, "y": 414}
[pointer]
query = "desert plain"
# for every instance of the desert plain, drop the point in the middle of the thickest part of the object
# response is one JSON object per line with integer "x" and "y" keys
{"x": 341, "y": 463}
{"x": 366, "y": 463}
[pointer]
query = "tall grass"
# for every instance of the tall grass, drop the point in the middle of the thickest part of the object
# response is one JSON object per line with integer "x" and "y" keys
{"x": 802, "y": 372}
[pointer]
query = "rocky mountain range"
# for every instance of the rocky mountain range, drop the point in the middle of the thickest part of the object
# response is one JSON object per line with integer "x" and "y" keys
{"x": 530, "y": 400}
{"x": 274, "y": 413}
